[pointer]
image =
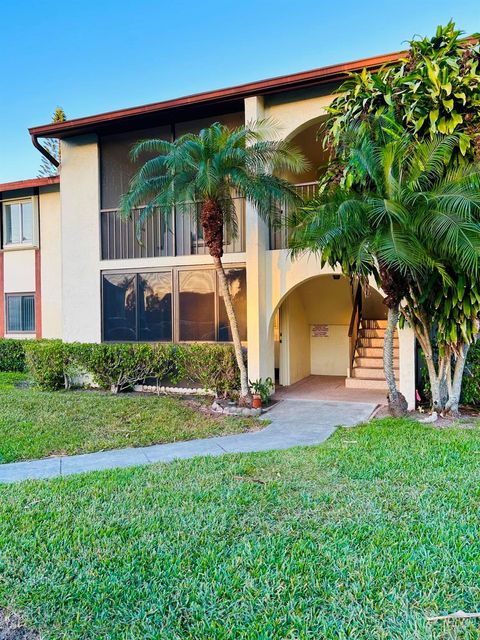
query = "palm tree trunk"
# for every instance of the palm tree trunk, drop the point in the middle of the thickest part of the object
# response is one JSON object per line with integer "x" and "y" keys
{"x": 212, "y": 223}
{"x": 396, "y": 401}
{"x": 232, "y": 319}
{"x": 456, "y": 387}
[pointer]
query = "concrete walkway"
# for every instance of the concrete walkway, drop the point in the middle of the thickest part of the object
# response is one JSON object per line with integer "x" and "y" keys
{"x": 293, "y": 423}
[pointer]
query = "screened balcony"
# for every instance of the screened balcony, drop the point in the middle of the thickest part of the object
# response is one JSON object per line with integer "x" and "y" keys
{"x": 279, "y": 234}
{"x": 178, "y": 233}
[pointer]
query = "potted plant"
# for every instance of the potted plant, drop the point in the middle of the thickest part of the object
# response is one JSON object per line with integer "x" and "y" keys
{"x": 261, "y": 390}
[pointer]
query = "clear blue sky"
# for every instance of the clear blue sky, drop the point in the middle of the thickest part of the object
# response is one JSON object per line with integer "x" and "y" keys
{"x": 90, "y": 56}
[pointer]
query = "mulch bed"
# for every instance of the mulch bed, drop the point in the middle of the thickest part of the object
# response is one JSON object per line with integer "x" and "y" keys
{"x": 469, "y": 417}
{"x": 12, "y": 628}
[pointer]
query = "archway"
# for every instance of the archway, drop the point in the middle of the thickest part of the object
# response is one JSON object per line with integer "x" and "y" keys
{"x": 313, "y": 337}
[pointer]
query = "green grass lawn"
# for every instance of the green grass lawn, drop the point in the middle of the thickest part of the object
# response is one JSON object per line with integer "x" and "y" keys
{"x": 36, "y": 424}
{"x": 361, "y": 538}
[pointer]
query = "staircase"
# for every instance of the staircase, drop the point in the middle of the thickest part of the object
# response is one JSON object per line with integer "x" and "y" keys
{"x": 367, "y": 370}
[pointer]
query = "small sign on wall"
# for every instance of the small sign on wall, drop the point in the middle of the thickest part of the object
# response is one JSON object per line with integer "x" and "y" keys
{"x": 319, "y": 330}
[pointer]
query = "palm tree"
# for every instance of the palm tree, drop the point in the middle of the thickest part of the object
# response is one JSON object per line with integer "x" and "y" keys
{"x": 407, "y": 216}
{"x": 211, "y": 168}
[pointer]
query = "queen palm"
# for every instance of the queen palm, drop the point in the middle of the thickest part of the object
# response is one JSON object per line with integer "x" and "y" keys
{"x": 212, "y": 168}
{"x": 408, "y": 218}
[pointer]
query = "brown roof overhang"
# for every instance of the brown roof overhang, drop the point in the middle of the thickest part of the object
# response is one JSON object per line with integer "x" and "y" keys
{"x": 29, "y": 184}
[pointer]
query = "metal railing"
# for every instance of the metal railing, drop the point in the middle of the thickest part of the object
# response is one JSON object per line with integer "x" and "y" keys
{"x": 279, "y": 234}
{"x": 354, "y": 326}
{"x": 178, "y": 233}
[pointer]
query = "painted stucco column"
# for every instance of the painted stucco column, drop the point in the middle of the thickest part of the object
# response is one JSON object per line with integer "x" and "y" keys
{"x": 80, "y": 202}
{"x": 406, "y": 345}
{"x": 260, "y": 343}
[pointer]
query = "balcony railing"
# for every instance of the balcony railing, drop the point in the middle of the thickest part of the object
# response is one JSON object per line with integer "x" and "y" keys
{"x": 279, "y": 235}
{"x": 177, "y": 234}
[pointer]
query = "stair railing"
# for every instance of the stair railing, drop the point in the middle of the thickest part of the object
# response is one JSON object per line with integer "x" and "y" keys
{"x": 354, "y": 326}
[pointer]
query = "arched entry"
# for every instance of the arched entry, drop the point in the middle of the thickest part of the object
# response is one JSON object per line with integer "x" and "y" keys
{"x": 312, "y": 328}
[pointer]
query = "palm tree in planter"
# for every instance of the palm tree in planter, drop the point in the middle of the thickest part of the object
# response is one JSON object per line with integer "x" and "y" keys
{"x": 409, "y": 220}
{"x": 211, "y": 168}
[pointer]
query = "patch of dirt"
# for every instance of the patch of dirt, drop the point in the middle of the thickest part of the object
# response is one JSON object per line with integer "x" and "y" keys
{"x": 12, "y": 628}
{"x": 469, "y": 417}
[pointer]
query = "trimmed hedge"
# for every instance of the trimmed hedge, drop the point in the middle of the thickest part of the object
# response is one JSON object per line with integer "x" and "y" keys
{"x": 47, "y": 363}
{"x": 12, "y": 355}
{"x": 53, "y": 364}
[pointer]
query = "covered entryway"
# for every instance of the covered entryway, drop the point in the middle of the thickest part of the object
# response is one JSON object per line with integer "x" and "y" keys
{"x": 316, "y": 331}
{"x": 329, "y": 389}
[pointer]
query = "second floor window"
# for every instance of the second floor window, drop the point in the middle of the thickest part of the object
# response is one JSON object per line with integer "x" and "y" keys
{"x": 18, "y": 223}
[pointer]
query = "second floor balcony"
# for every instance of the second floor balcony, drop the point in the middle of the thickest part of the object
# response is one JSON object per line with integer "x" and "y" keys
{"x": 279, "y": 234}
{"x": 177, "y": 233}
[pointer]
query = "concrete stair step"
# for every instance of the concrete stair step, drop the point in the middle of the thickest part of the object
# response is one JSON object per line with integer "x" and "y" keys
{"x": 374, "y": 342}
{"x": 362, "y": 383}
{"x": 369, "y": 373}
{"x": 374, "y": 352}
{"x": 374, "y": 324}
{"x": 371, "y": 333}
{"x": 371, "y": 362}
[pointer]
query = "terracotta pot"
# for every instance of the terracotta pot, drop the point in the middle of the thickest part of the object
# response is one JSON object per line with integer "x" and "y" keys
{"x": 256, "y": 401}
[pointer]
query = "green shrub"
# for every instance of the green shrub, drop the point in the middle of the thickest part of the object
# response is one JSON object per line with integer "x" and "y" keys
{"x": 119, "y": 366}
{"x": 52, "y": 364}
{"x": 212, "y": 366}
{"x": 46, "y": 362}
{"x": 471, "y": 378}
{"x": 12, "y": 355}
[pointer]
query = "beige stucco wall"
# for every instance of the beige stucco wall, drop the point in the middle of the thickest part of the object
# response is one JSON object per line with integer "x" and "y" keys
{"x": 19, "y": 270}
{"x": 51, "y": 263}
{"x": 329, "y": 355}
{"x": 80, "y": 233}
{"x": 295, "y": 355}
{"x": 292, "y": 117}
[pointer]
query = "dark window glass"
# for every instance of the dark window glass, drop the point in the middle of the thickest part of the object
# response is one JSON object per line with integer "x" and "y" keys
{"x": 155, "y": 306}
{"x": 119, "y": 307}
{"x": 197, "y": 305}
{"x": 237, "y": 283}
{"x": 21, "y": 313}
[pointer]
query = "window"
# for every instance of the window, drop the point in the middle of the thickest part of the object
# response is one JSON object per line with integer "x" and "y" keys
{"x": 202, "y": 313}
{"x": 18, "y": 223}
{"x": 137, "y": 307}
{"x": 237, "y": 283}
{"x": 141, "y": 307}
{"x": 197, "y": 305}
{"x": 20, "y": 313}
{"x": 155, "y": 306}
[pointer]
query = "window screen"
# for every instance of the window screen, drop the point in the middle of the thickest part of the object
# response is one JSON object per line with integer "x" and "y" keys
{"x": 237, "y": 283}
{"x": 155, "y": 307}
{"x": 197, "y": 305}
{"x": 20, "y": 313}
{"x": 137, "y": 307}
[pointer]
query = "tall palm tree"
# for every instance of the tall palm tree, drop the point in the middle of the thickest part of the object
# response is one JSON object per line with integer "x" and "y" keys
{"x": 211, "y": 168}
{"x": 408, "y": 214}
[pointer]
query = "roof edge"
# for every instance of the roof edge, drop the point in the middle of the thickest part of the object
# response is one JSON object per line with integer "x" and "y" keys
{"x": 322, "y": 74}
{"x": 30, "y": 183}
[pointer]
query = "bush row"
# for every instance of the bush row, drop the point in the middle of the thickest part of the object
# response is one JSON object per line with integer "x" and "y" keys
{"x": 12, "y": 355}
{"x": 54, "y": 364}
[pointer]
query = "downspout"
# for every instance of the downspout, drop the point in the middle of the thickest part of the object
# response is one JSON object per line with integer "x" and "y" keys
{"x": 44, "y": 151}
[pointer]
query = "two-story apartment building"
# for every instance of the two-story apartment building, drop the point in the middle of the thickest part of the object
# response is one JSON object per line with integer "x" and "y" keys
{"x": 72, "y": 269}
